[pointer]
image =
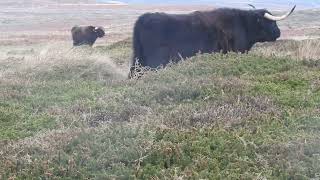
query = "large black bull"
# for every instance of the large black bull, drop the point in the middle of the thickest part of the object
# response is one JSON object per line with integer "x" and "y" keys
{"x": 86, "y": 35}
{"x": 160, "y": 38}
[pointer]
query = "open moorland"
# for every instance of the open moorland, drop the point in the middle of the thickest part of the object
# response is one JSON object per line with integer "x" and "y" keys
{"x": 72, "y": 113}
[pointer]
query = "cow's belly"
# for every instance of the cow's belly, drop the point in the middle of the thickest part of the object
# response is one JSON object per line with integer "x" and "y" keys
{"x": 165, "y": 45}
{"x": 157, "y": 56}
{"x": 190, "y": 48}
{"x": 164, "y": 53}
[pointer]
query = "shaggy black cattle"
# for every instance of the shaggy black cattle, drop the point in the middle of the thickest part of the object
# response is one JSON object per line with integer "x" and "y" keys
{"x": 160, "y": 38}
{"x": 86, "y": 35}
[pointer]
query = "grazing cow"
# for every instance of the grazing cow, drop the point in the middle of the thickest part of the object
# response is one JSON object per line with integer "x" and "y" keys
{"x": 159, "y": 38}
{"x": 86, "y": 35}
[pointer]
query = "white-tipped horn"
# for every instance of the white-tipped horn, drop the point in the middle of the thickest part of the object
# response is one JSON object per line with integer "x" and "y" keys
{"x": 279, "y": 18}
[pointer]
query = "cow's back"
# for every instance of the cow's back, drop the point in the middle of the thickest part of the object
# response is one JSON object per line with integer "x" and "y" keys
{"x": 160, "y": 38}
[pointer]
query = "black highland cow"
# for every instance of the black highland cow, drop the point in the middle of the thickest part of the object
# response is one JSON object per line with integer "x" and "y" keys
{"x": 86, "y": 35}
{"x": 160, "y": 38}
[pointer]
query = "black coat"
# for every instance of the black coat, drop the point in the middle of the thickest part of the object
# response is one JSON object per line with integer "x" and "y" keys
{"x": 160, "y": 38}
{"x": 86, "y": 35}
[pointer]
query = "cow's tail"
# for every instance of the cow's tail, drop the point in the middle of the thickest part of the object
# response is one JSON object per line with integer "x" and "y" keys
{"x": 137, "y": 57}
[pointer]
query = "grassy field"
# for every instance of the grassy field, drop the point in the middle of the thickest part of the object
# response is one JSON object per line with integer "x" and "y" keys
{"x": 72, "y": 113}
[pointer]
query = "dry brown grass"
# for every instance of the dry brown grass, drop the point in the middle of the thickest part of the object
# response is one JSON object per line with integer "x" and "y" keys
{"x": 54, "y": 56}
{"x": 309, "y": 50}
{"x": 46, "y": 142}
{"x": 297, "y": 49}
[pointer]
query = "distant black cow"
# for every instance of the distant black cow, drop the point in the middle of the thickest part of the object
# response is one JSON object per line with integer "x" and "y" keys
{"x": 159, "y": 38}
{"x": 86, "y": 35}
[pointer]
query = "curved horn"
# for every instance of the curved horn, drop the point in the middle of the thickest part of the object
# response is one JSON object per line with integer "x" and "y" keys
{"x": 252, "y": 6}
{"x": 279, "y": 18}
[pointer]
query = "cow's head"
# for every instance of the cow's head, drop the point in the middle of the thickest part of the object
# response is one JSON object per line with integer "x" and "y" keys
{"x": 99, "y": 31}
{"x": 265, "y": 25}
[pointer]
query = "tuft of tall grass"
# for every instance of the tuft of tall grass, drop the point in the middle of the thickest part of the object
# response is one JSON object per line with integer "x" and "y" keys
{"x": 308, "y": 50}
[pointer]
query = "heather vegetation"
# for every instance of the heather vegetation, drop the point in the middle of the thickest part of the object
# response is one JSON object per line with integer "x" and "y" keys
{"x": 73, "y": 114}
